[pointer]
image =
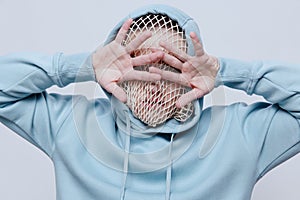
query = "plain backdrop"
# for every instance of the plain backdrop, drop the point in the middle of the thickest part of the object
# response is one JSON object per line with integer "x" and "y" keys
{"x": 248, "y": 30}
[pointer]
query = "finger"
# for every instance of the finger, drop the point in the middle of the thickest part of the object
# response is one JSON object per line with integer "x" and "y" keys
{"x": 123, "y": 31}
{"x": 199, "y": 51}
{"x": 147, "y": 59}
{"x": 141, "y": 76}
{"x": 136, "y": 42}
{"x": 189, "y": 97}
{"x": 117, "y": 91}
{"x": 170, "y": 76}
{"x": 181, "y": 55}
{"x": 172, "y": 61}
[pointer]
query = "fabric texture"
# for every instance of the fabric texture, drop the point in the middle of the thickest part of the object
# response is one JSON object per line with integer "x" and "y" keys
{"x": 101, "y": 151}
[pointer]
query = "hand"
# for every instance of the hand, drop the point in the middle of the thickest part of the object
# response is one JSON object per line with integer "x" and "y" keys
{"x": 113, "y": 63}
{"x": 197, "y": 72}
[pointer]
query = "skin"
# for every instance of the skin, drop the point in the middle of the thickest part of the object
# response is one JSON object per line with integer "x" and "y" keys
{"x": 113, "y": 64}
{"x": 154, "y": 102}
{"x": 197, "y": 72}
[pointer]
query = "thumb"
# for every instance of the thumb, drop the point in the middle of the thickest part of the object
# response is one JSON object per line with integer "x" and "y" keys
{"x": 117, "y": 91}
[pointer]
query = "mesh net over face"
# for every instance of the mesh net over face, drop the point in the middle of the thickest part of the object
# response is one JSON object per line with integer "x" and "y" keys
{"x": 154, "y": 102}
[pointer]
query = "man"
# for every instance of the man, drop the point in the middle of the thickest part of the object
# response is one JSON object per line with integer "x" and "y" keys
{"x": 118, "y": 148}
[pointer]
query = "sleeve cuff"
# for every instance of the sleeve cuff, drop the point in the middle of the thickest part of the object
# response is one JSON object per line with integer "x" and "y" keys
{"x": 75, "y": 68}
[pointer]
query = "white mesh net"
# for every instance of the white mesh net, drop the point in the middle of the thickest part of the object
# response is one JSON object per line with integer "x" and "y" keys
{"x": 154, "y": 102}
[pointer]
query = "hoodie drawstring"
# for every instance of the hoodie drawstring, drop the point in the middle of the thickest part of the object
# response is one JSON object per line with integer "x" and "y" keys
{"x": 126, "y": 163}
{"x": 126, "y": 156}
{"x": 169, "y": 171}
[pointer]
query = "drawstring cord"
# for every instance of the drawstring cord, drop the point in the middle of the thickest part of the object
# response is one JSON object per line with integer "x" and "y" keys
{"x": 126, "y": 163}
{"x": 169, "y": 171}
{"x": 126, "y": 158}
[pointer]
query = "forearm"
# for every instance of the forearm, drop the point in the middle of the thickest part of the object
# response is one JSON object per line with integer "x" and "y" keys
{"x": 278, "y": 83}
{"x": 24, "y": 74}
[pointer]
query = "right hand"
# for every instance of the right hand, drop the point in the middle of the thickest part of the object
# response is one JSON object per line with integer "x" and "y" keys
{"x": 113, "y": 63}
{"x": 197, "y": 72}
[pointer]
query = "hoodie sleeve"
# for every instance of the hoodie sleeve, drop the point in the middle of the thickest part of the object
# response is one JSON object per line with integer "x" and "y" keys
{"x": 270, "y": 129}
{"x": 25, "y": 106}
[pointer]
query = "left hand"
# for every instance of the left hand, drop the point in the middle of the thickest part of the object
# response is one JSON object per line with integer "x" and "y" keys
{"x": 197, "y": 72}
{"x": 114, "y": 64}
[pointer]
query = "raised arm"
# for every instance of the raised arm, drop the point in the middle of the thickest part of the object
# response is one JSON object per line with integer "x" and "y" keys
{"x": 271, "y": 129}
{"x": 25, "y": 107}
{"x": 30, "y": 111}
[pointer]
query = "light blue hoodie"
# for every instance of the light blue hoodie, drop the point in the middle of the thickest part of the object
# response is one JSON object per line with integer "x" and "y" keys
{"x": 100, "y": 151}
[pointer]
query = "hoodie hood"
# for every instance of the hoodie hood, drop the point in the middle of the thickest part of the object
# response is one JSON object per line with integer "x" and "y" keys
{"x": 171, "y": 126}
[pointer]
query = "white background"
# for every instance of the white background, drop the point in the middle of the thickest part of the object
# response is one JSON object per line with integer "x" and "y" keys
{"x": 248, "y": 30}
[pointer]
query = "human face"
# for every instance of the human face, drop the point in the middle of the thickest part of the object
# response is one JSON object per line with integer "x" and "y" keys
{"x": 154, "y": 102}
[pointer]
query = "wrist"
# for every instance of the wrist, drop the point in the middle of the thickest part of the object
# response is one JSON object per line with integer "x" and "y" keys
{"x": 215, "y": 66}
